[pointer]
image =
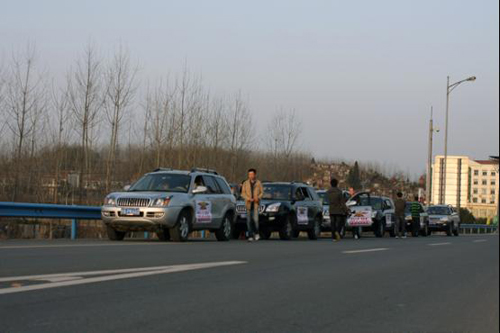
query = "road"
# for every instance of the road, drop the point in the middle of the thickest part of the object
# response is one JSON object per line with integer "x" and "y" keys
{"x": 435, "y": 284}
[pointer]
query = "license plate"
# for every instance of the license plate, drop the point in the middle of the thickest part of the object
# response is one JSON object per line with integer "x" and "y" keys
{"x": 131, "y": 211}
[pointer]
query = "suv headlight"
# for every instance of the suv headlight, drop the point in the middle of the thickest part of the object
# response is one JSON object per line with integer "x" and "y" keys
{"x": 162, "y": 202}
{"x": 274, "y": 208}
{"x": 409, "y": 218}
{"x": 110, "y": 201}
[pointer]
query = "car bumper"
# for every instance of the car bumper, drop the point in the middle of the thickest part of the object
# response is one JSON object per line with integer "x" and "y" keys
{"x": 149, "y": 218}
{"x": 439, "y": 226}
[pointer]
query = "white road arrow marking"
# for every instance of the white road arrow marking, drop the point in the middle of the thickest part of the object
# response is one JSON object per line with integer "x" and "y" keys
{"x": 73, "y": 279}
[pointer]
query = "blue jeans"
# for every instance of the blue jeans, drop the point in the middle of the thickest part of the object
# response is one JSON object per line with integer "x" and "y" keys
{"x": 253, "y": 222}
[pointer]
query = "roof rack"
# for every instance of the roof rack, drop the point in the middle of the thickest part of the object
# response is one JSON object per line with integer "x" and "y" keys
{"x": 163, "y": 169}
{"x": 204, "y": 170}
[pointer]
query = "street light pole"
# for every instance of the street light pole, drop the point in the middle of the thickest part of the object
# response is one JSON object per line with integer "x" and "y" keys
{"x": 430, "y": 157}
{"x": 449, "y": 89}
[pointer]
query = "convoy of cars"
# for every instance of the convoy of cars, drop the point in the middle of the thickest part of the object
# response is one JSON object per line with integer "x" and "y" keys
{"x": 174, "y": 203}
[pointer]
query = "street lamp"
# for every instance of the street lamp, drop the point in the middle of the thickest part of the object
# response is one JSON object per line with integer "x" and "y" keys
{"x": 432, "y": 130}
{"x": 449, "y": 90}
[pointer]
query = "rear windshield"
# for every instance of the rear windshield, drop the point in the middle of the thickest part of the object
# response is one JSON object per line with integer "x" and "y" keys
{"x": 162, "y": 182}
{"x": 439, "y": 211}
{"x": 277, "y": 192}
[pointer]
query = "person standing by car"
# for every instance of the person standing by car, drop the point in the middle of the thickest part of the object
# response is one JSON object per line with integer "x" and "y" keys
{"x": 416, "y": 211}
{"x": 338, "y": 209}
{"x": 252, "y": 192}
{"x": 400, "y": 225}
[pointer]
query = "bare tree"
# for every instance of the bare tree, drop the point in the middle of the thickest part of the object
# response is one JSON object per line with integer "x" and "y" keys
{"x": 283, "y": 133}
{"x": 23, "y": 100}
{"x": 120, "y": 92}
{"x": 240, "y": 129}
{"x": 85, "y": 100}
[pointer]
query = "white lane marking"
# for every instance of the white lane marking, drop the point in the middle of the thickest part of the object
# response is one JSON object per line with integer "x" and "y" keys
{"x": 480, "y": 241}
{"x": 117, "y": 275}
{"x": 60, "y": 279}
{"x": 365, "y": 251}
{"x": 439, "y": 244}
{"x": 9, "y": 247}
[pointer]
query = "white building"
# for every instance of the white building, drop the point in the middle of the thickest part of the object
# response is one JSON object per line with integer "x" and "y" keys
{"x": 469, "y": 184}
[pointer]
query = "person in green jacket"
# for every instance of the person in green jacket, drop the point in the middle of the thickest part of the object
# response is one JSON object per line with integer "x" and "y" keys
{"x": 416, "y": 210}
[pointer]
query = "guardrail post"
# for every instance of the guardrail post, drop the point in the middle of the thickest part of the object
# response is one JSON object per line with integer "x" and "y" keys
{"x": 74, "y": 229}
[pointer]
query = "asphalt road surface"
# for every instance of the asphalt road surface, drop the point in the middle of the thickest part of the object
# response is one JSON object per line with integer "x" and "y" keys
{"x": 435, "y": 284}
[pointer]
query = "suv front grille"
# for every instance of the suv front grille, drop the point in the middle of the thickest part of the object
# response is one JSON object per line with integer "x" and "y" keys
{"x": 241, "y": 209}
{"x": 133, "y": 202}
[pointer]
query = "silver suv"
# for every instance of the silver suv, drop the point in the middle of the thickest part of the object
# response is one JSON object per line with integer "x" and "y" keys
{"x": 172, "y": 204}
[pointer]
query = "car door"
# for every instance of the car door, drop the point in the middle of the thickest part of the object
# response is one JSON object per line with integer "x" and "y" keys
{"x": 227, "y": 198}
{"x": 301, "y": 209}
{"x": 203, "y": 206}
{"x": 389, "y": 212}
{"x": 316, "y": 205}
{"x": 216, "y": 199}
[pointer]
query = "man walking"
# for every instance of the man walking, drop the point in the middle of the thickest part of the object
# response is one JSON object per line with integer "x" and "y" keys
{"x": 252, "y": 192}
{"x": 338, "y": 210}
{"x": 400, "y": 223}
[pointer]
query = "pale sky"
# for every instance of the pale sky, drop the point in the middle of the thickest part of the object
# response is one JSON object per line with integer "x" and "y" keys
{"x": 362, "y": 75}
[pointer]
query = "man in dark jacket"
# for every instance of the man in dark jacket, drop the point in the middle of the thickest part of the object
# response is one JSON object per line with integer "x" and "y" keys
{"x": 338, "y": 209}
{"x": 400, "y": 223}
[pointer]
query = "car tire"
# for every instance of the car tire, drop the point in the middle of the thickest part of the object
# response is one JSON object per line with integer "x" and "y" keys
{"x": 163, "y": 235}
{"x": 287, "y": 230}
{"x": 180, "y": 233}
{"x": 265, "y": 233}
{"x": 449, "y": 230}
{"x": 315, "y": 232}
{"x": 379, "y": 229}
{"x": 425, "y": 231}
{"x": 225, "y": 232}
{"x": 296, "y": 234}
{"x": 115, "y": 235}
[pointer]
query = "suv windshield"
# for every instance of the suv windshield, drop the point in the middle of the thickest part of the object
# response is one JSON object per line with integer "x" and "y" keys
{"x": 439, "y": 211}
{"x": 277, "y": 192}
{"x": 162, "y": 182}
{"x": 324, "y": 198}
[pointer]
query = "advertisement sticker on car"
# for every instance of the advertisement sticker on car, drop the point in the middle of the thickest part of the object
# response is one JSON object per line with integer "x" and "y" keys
{"x": 302, "y": 215}
{"x": 361, "y": 218}
{"x": 203, "y": 212}
{"x": 388, "y": 219}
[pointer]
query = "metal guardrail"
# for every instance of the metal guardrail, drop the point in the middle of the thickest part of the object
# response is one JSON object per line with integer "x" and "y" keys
{"x": 478, "y": 228}
{"x": 45, "y": 211}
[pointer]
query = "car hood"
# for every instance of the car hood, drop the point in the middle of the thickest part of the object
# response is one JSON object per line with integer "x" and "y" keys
{"x": 436, "y": 217}
{"x": 144, "y": 195}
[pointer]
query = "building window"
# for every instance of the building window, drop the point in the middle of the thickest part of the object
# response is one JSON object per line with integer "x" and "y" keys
{"x": 485, "y": 173}
{"x": 493, "y": 174}
{"x": 485, "y": 183}
{"x": 476, "y": 182}
{"x": 493, "y": 183}
{"x": 476, "y": 172}
{"x": 474, "y": 200}
{"x": 476, "y": 191}
{"x": 483, "y": 201}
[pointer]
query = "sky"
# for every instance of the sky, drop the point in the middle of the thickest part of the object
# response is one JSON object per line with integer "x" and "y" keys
{"x": 361, "y": 74}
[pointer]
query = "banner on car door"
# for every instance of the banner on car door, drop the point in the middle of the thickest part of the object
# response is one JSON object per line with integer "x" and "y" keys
{"x": 361, "y": 217}
{"x": 203, "y": 212}
{"x": 302, "y": 215}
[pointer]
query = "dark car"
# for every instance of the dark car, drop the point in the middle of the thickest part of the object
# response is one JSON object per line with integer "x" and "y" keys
{"x": 289, "y": 209}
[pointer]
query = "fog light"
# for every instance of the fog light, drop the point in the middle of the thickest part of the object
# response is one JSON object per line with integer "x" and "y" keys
{"x": 107, "y": 214}
{"x": 159, "y": 215}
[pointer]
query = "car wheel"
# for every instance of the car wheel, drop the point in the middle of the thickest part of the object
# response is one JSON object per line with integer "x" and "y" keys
{"x": 265, "y": 233}
{"x": 296, "y": 234}
{"x": 182, "y": 229}
{"x": 380, "y": 229}
{"x": 226, "y": 230}
{"x": 286, "y": 232}
{"x": 163, "y": 235}
{"x": 425, "y": 231}
{"x": 315, "y": 232}
{"x": 115, "y": 235}
{"x": 449, "y": 230}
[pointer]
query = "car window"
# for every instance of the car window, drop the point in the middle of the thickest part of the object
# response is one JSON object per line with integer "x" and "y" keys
{"x": 212, "y": 186}
{"x": 162, "y": 182}
{"x": 323, "y": 197}
{"x": 277, "y": 192}
{"x": 314, "y": 196}
{"x": 439, "y": 211}
{"x": 388, "y": 204}
{"x": 224, "y": 187}
{"x": 299, "y": 195}
{"x": 306, "y": 194}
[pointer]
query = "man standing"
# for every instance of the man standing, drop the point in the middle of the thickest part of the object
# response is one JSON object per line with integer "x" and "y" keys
{"x": 252, "y": 192}
{"x": 338, "y": 209}
{"x": 416, "y": 211}
{"x": 400, "y": 223}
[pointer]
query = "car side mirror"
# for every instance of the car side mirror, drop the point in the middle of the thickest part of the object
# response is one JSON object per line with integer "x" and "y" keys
{"x": 126, "y": 188}
{"x": 351, "y": 203}
{"x": 200, "y": 190}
